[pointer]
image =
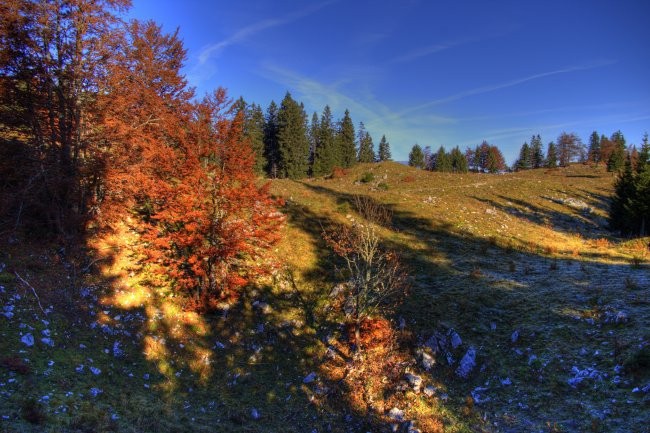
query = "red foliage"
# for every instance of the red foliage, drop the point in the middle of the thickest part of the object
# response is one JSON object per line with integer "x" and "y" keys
{"x": 374, "y": 332}
{"x": 338, "y": 173}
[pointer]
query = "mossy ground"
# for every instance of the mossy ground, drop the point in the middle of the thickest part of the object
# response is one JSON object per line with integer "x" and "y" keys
{"x": 488, "y": 255}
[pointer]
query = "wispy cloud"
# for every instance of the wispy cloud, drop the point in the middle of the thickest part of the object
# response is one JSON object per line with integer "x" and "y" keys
{"x": 426, "y": 51}
{"x": 492, "y": 88}
{"x": 402, "y": 132}
{"x": 215, "y": 49}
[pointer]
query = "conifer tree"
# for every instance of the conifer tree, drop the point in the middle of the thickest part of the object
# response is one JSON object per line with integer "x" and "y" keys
{"x": 536, "y": 152}
{"x": 254, "y": 133}
{"x": 271, "y": 148}
{"x": 345, "y": 138}
{"x": 293, "y": 142}
{"x": 551, "y": 156}
{"x": 443, "y": 161}
{"x": 616, "y": 161}
{"x": 313, "y": 142}
{"x": 416, "y": 156}
{"x": 366, "y": 147}
{"x": 384, "y": 150}
{"x": 593, "y": 152}
{"x": 458, "y": 161}
{"x": 524, "y": 161}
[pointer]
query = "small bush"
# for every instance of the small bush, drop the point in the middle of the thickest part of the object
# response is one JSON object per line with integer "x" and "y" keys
{"x": 383, "y": 186}
{"x": 338, "y": 173}
{"x": 408, "y": 179}
{"x": 367, "y": 177}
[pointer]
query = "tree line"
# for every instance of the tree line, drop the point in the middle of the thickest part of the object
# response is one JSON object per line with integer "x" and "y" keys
{"x": 288, "y": 145}
{"x": 483, "y": 158}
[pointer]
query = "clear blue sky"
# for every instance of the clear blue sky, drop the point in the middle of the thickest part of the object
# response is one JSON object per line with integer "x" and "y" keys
{"x": 429, "y": 72}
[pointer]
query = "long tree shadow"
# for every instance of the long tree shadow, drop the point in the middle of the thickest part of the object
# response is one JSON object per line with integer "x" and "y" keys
{"x": 517, "y": 307}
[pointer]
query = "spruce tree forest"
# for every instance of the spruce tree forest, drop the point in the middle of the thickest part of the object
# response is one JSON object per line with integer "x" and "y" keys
{"x": 171, "y": 261}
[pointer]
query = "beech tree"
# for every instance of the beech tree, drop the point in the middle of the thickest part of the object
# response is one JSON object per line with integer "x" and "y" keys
{"x": 569, "y": 149}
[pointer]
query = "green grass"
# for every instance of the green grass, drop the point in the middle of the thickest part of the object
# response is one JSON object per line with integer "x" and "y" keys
{"x": 487, "y": 255}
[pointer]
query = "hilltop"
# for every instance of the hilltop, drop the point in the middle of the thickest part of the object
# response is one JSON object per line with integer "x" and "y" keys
{"x": 515, "y": 271}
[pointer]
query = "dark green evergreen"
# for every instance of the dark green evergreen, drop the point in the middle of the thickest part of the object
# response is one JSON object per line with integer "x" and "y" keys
{"x": 254, "y": 131}
{"x": 326, "y": 154}
{"x": 524, "y": 161}
{"x": 458, "y": 161}
{"x": 616, "y": 160}
{"x": 345, "y": 137}
{"x": 536, "y": 152}
{"x": 551, "y": 156}
{"x": 384, "y": 150}
{"x": 593, "y": 153}
{"x": 443, "y": 161}
{"x": 313, "y": 141}
{"x": 271, "y": 147}
{"x": 416, "y": 157}
{"x": 366, "y": 147}
{"x": 293, "y": 142}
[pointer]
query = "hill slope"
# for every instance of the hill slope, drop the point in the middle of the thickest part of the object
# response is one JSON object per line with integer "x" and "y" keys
{"x": 517, "y": 268}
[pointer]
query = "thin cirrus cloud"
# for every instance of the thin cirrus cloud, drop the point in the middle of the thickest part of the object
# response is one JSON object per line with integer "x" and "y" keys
{"x": 240, "y": 35}
{"x": 487, "y": 89}
{"x": 427, "y": 51}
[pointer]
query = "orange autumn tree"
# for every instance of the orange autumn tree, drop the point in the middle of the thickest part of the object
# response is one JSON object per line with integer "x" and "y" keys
{"x": 185, "y": 168}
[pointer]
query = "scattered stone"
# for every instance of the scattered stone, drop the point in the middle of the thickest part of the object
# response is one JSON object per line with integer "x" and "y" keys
{"x": 255, "y": 414}
{"x": 506, "y": 381}
{"x": 616, "y": 317}
{"x": 117, "y": 350}
{"x": 79, "y": 368}
{"x": 309, "y": 378}
{"x": 429, "y": 390}
{"x": 580, "y": 375}
{"x": 396, "y": 414}
{"x": 493, "y": 326}
{"x": 415, "y": 381}
{"x": 27, "y": 340}
{"x": 467, "y": 363}
{"x": 477, "y": 395}
{"x": 96, "y": 371}
{"x": 95, "y": 391}
{"x": 47, "y": 341}
{"x": 515, "y": 336}
{"x": 455, "y": 339}
{"x": 428, "y": 361}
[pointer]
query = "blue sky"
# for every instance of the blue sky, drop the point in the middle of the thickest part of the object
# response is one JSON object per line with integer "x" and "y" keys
{"x": 429, "y": 72}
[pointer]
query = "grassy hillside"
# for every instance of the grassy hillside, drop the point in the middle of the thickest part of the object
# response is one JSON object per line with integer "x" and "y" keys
{"x": 520, "y": 267}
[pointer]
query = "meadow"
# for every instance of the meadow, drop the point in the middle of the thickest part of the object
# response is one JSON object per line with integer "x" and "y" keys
{"x": 516, "y": 269}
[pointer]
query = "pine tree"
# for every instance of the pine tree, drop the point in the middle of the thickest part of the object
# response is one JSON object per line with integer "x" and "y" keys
{"x": 616, "y": 161}
{"x": 416, "y": 157}
{"x": 345, "y": 137}
{"x": 254, "y": 133}
{"x": 551, "y": 156}
{"x": 443, "y": 161}
{"x": 524, "y": 161}
{"x": 313, "y": 144}
{"x": 536, "y": 152}
{"x": 366, "y": 147}
{"x": 458, "y": 161}
{"x": 593, "y": 152}
{"x": 293, "y": 142}
{"x": 271, "y": 147}
{"x": 384, "y": 150}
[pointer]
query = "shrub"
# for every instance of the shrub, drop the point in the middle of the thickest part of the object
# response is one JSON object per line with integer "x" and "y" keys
{"x": 338, "y": 172}
{"x": 383, "y": 186}
{"x": 367, "y": 177}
